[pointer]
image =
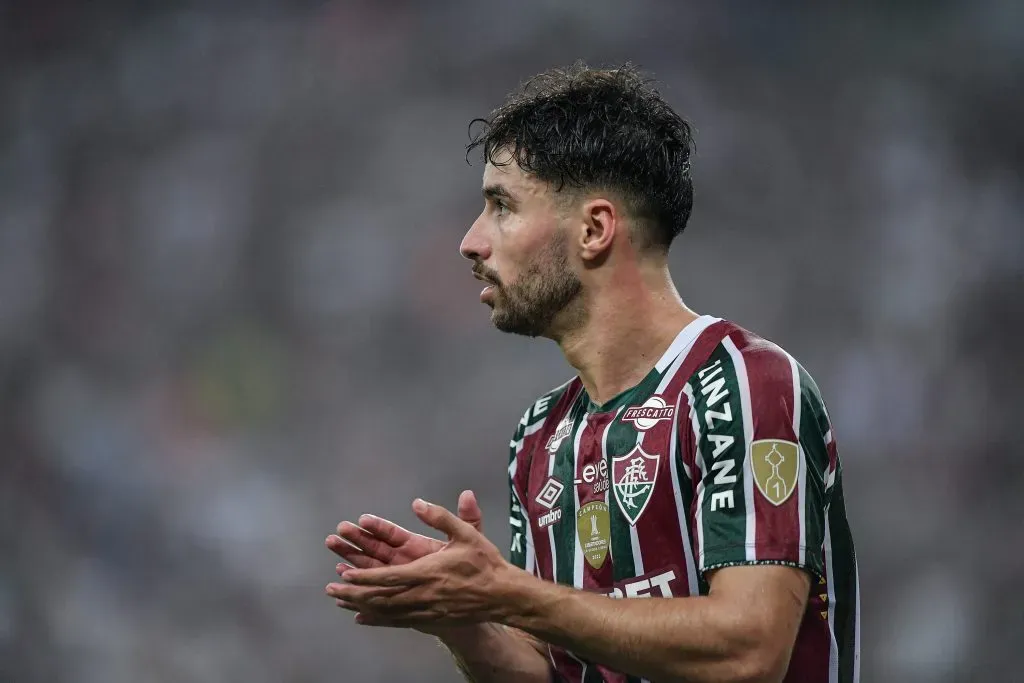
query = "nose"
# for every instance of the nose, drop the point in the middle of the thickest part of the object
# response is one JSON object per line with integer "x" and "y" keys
{"x": 474, "y": 245}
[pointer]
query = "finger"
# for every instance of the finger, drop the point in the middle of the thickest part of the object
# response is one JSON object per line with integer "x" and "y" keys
{"x": 366, "y": 541}
{"x": 357, "y": 561}
{"x": 386, "y": 576}
{"x": 377, "y": 596}
{"x": 410, "y": 619}
{"x": 350, "y": 606}
{"x": 469, "y": 510}
{"x": 344, "y": 549}
{"x": 385, "y": 530}
{"x": 443, "y": 520}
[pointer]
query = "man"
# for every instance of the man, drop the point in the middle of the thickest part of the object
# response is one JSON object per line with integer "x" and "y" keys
{"x": 688, "y": 460}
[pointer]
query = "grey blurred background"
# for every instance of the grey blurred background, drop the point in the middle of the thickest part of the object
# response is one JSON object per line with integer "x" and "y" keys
{"x": 232, "y": 310}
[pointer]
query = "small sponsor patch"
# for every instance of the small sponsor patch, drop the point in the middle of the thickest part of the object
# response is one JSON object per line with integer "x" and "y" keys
{"x": 549, "y": 495}
{"x": 645, "y": 416}
{"x": 594, "y": 529}
{"x": 776, "y": 466}
{"x": 633, "y": 478}
{"x": 563, "y": 430}
{"x": 595, "y": 474}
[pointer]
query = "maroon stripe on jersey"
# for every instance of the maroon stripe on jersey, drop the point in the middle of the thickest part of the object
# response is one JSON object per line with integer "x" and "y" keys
{"x": 532, "y": 473}
{"x": 592, "y": 454}
{"x": 770, "y": 380}
{"x": 833, "y": 456}
{"x": 657, "y": 530}
{"x": 809, "y": 661}
{"x": 609, "y": 676}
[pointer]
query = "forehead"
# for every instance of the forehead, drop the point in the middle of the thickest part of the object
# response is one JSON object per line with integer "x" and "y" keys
{"x": 508, "y": 174}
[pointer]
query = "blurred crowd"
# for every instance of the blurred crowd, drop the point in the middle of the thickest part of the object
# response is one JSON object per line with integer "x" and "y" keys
{"x": 233, "y": 313}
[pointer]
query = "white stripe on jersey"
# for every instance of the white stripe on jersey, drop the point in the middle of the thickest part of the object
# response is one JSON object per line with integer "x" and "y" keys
{"x": 748, "y": 435}
{"x": 604, "y": 456}
{"x": 577, "y": 563}
{"x": 702, "y": 466}
{"x": 531, "y": 555}
{"x": 684, "y": 340}
{"x": 532, "y": 429}
{"x": 634, "y": 538}
{"x": 833, "y": 646}
{"x": 801, "y": 461}
{"x": 830, "y": 467}
{"x": 684, "y": 527}
{"x": 551, "y": 527}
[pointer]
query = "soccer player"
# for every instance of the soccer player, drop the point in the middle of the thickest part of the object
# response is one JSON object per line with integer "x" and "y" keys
{"x": 688, "y": 460}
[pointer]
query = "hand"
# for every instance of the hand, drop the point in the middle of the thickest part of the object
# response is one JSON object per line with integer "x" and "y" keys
{"x": 456, "y": 585}
{"x": 376, "y": 542}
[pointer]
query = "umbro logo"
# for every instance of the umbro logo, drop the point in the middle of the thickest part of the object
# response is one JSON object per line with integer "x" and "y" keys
{"x": 550, "y": 494}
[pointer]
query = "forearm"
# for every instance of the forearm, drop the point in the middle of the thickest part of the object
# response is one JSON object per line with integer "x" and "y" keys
{"x": 493, "y": 653}
{"x": 666, "y": 639}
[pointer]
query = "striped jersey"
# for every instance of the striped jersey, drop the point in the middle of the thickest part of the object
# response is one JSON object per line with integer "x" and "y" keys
{"x": 722, "y": 455}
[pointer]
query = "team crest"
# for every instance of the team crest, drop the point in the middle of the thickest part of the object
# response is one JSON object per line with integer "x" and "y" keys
{"x": 776, "y": 466}
{"x": 633, "y": 477}
{"x": 593, "y": 528}
{"x": 645, "y": 416}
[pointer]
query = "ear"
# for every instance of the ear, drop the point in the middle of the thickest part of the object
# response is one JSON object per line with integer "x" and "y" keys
{"x": 600, "y": 223}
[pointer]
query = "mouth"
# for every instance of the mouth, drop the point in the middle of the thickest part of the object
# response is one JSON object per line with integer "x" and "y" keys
{"x": 481, "y": 278}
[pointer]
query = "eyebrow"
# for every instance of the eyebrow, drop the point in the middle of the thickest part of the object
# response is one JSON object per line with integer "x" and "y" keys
{"x": 497, "y": 192}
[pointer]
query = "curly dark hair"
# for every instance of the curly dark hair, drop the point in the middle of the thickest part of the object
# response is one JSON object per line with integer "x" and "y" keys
{"x": 582, "y": 129}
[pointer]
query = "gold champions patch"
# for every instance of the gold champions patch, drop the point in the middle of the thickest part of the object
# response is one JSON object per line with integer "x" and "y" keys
{"x": 776, "y": 467}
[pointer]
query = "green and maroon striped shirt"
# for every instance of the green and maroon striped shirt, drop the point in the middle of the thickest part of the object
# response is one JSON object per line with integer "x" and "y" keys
{"x": 723, "y": 455}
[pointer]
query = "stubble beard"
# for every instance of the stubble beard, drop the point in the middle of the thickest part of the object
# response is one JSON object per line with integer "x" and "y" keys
{"x": 546, "y": 289}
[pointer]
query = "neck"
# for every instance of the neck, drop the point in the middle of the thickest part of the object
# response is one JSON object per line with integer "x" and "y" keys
{"x": 628, "y": 327}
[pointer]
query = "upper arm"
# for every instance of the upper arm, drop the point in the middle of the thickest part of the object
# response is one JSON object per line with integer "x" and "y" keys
{"x": 761, "y": 460}
{"x": 770, "y": 600}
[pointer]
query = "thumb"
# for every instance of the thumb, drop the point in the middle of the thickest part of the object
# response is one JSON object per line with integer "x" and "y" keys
{"x": 469, "y": 510}
{"x": 437, "y": 517}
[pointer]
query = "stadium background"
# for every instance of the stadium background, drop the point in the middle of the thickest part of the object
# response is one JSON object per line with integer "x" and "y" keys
{"x": 232, "y": 311}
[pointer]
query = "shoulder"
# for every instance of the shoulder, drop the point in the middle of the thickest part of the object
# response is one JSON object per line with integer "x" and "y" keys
{"x": 751, "y": 361}
{"x": 546, "y": 405}
{"x": 761, "y": 373}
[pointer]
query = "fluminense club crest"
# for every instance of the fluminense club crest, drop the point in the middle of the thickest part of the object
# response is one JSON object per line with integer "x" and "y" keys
{"x": 633, "y": 478}
{"x": 645, "y": 416}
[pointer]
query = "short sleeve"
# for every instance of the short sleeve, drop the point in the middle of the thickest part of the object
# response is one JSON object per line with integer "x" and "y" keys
{"x": 760, "y": 493}
{"x": 521, "y": 550}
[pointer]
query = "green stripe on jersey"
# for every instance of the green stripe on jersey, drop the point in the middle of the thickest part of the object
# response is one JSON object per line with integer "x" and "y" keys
{"x": 813, "y": 428}
{"x": 844, "y": 580}
{"x": 722, "y": 450}
{"x": 564, "y": 530}
{"x": 621, "y": 440}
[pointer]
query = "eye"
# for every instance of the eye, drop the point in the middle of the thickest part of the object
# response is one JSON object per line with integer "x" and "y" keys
{"x": 500, "y": 207}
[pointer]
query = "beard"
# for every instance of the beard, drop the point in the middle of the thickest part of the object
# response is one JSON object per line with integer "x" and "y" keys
{"x": 545, "y": 289}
